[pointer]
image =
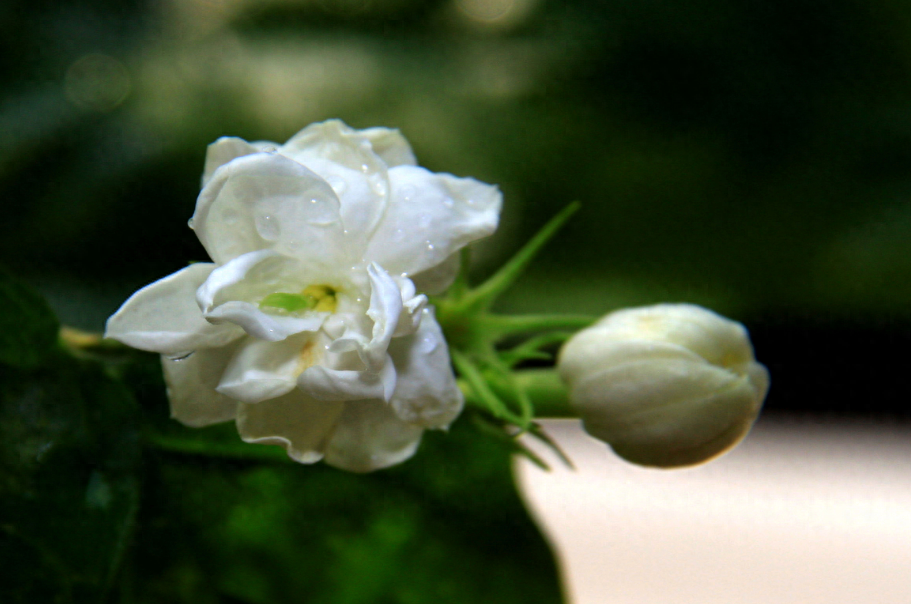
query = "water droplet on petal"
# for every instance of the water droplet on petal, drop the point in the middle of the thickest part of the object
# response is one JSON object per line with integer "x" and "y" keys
{"x": 338, "y": 184}
{"x": 430, "y": 247}
{"x": 190, "y": 223}
{"x": 448, "y": 202}
{"x": 379, "y": 187}
{"x": 428, "y": 344}
{"x": 267, "y": 227}
{"x": 365, "y": 168}
{"x": 407, "y": 192}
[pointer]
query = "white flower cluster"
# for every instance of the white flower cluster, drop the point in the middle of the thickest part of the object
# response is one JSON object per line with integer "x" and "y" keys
{"x": 307, "y": 328}
{"x": 666, "y": 385}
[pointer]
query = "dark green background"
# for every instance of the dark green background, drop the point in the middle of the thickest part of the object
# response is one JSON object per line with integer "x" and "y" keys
{"x": 752, "y": 156}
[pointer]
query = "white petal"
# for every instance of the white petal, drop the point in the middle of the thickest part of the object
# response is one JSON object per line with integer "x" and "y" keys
{"x": 412, "y": 308}
{"x": 232, "y": 291}
{"x": 426, "y": 393}
{"x": 163, "y": 316}
{"x": 327, "y": 384}
{"x": 431, "y": 216}
{"x": 576, "y": 361}
{"x": 227, "y": 148}
{"x": 267, "y": 201}
{"x": 344, "y": 157}
{"x": 670, "y": 396}
{"x": 296, "y": 422}
{"x": 436, "y": 280}
{"x": 391, "y": 146}
{"x": 369, "y": 436}
{"x": 261, "y": 370}
{"x": 191, "y": 384}
{"x": 385, "y": 308}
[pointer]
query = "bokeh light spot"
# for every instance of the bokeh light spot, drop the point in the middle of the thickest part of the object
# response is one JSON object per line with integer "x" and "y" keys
{"x": 97, "y": 82}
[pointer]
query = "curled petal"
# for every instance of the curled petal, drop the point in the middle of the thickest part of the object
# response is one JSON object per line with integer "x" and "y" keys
{"x": 261, "y": 370}
{"x": 426, "y": 393}
{"x": 385, "y": 308}
{"x": 391, "y": 146}
{"x": 191, "y": 383}
{"x": 348, "y": 385}
{"x": 298, "y": 423}
{"x": 412, "y": 309}
{"x": 231, "y": 292}
{"x": 370, "y": 436}
{"x": 163, "y": 316}
{"x": 429, "y": 217}
{"x": 345, "y": 158}
{"x": 227, "y": 148}
{"x": 267, "y": 201}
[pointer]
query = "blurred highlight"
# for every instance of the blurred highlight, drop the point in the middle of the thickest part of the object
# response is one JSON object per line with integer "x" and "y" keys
{"x": 97, "y": 82}
{"x": 800, "y": 513}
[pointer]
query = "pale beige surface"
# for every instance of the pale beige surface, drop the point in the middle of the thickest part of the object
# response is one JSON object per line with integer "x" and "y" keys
{"x": 802, "y": 512}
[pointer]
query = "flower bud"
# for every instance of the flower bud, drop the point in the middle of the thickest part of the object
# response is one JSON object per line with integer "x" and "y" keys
{"x": 666, "y": 385}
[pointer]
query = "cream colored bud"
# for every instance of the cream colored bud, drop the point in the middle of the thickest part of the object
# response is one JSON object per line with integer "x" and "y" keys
{"x": 666, "y": 385}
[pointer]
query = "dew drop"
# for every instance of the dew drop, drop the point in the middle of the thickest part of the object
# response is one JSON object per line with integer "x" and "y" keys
{"x": 190, "y": 223}
{"x": 428, "y": 344}
{"x": 365, "y": 168}
{"x": 407, "y": 192}
{"x": 338, "y": 184}
{"x": 267, "y": 227}
{"x": 469, "y": 201}
{"x": 430, "y": 247}
{"x": 379, "y": 187}
{"x": 448, "y": 202}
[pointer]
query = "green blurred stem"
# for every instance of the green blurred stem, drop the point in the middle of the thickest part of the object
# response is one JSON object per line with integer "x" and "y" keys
{"x": 545, "y": 389}
{"x": 195, "y": 446}
{"x": 504, "y": 325}
{"x": 483, "y": 296}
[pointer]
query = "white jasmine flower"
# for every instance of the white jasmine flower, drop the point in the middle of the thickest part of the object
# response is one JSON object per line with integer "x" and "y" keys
{"x": 665, "y": 385}
{"x": 307, "y": 327}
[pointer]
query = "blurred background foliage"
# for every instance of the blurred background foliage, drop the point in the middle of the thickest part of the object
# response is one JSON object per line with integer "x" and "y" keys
{"x": 752, "y": 156}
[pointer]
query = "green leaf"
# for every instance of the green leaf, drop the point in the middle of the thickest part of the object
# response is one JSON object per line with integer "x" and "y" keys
{"x": 446, "y": 527}
{"x": 28, "y": 327}
{"x": 69, "y": 490}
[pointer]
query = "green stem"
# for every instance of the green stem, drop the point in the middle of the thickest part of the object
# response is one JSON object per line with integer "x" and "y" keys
{"x": 479, "y": 391}
{"x": 504, "y": 325}
{"x": 240, "y": 451}
{"x": 545, "y": 389}
{"x": 484, "y": 295}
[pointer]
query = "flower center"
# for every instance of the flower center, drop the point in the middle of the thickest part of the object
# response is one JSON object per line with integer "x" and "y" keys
{"x": 321, "y": 298}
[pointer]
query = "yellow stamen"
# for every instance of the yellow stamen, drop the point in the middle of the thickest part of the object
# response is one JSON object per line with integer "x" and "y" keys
{"x": 324, "y": 297}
